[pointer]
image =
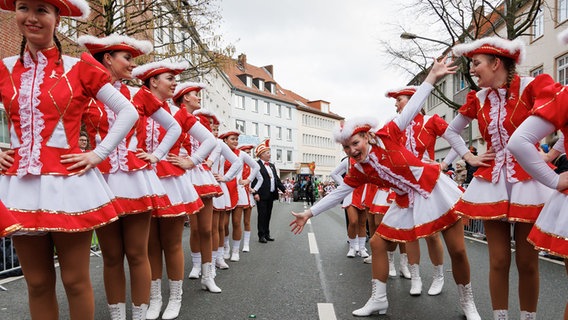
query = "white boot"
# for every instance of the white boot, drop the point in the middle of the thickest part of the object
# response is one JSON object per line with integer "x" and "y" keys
{"x": 235, "y": 254}
{"x": 246, "y": 241}
{"x": 174, "y": 303}
{"x": 207, "y": 278}
{"x": 501, "y": 314}
{"x": 117, "y": 311}
{"x": 196, "y": 268}
{"x": 356, "y": 245}
{"x": 155, "y": 300}
{"x": 525, "y": 315}
{"x": 377, "y": 303}
{"x": 139, "y": 312}
{"x": 351, "y": 253}
{"x": 404, "y": 271}
{"x": 437, "y": 281}
{"x": 220, "y": 261}
{"x": 226, "y": 248}
{"x": 466, "y": 302}
{"x": 362, "y": 249}
{"x": 368, "y": 260}
{"x": 392, "y": 269}
{"x": 415, "y": 280}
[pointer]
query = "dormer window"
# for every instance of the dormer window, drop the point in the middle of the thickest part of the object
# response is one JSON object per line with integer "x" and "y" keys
{"x": 271, "y": 86}
{"x": 246, "y": 79}
{"x": 259, "y": 83}
{"x": 249, "y": 81}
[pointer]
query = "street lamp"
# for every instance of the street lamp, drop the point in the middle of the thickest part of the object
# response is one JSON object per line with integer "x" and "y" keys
{"x": 412, "y": 36}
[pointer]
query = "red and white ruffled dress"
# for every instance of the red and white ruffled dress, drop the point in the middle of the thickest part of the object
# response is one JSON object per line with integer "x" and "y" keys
{"x": 226, "y": 164}
{"x": 504, "y": 190}
{"x": 246, "y": 199}
{"x": 8, "y": 223}
{"x": 181, "y": 193}
{"x": 44, "y": 101}
{"x": 132, "y": 180}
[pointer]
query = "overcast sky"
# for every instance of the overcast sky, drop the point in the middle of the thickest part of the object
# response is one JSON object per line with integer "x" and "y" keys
{"x": 322, "y": 49}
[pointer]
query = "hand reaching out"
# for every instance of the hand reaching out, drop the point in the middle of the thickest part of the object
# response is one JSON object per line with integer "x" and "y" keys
{"x": 300, "y": 221}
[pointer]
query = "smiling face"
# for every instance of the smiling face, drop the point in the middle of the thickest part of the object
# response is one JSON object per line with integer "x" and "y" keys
{"x": 357, "y": 147}
{"x": 192, "y": 101}
{"x": 489, "y": 70}
{"x": 37, "y": 21}
{"x": 163, "y": 85}
{"x": 232, "y": 141}
{"x": 120, "y": 64}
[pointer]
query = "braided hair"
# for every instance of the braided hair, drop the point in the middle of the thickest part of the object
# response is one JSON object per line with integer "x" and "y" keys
{"x": 25, "y": 41}
{"x": 23, "y": 49}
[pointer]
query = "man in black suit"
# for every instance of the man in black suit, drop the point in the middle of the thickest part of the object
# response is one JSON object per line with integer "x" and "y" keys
{"x": 267, "y": 192}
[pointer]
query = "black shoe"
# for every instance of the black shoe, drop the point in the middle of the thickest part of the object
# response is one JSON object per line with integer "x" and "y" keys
{"x": 262, "y": 240}
{"x": 269, "y": 238}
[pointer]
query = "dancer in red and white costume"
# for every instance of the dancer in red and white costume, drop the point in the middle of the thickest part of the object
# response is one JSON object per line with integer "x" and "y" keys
{"x": 420, "y": 139}
{"x": 132, "y": 180}
{"x": 246, "y": 198}
{"x": 186, "y": 96}
{"x": 166, "y": 226}
{"x": 424, "y": 202}
{"x": 44, "y": 94}
{"x": 231, "y": 138}
{"x": 550, "y": 231}
{"x": 501, "y": 193}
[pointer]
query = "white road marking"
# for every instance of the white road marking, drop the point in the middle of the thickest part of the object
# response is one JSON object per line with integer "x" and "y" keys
{"x": 313, "y": 243}
{"x": 326, "y": 311}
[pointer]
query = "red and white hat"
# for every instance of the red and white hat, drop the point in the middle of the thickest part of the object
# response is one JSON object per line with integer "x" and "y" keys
{"x": 563, "y": 37}
{"x": 351, "y": 127}
{"x": 185, "y": 87}
{"x": 262, "y": 147}
{"x": 67, "y": 8}
{"x": 514, "y": 49}
{"x": 115, "y": 42}
{"x": 245, "y": 147}
{"x": 208, "y": 114}
{"x": 226, "y": 132}
{"x": 151, "y": 69}
{"x": 404, "y": 91}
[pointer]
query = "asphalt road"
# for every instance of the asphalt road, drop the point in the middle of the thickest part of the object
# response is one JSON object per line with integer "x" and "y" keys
{"x": 308, "y": 276}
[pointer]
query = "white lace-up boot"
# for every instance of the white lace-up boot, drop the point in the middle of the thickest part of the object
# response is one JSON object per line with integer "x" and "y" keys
{"x": 155, "y": 300}
{"x": 362, "y": 249}
{"x": 525, "y": 315}
{"x": 236, "y": 248}
{"x": 415, "y": 280}
{"x": 501, "y": 314}
{"x": 174, "y": 303}
{"x": 220, "y": 261}
{"x": 404, "y": 271}
{"x": 226, "y": 248}
{"x": 377, "y": 303}
{"x": 208, "y": 278}
{"x": 139, "y": 312}
{"x": 246, "y": 241}
{"x": 352, "y": 252}
{"x": 117, "y": 311}
{"x": 437, "y": 281}
{"x": 392, "y": 269}
{"x": 196, "y": 267}
{"x": 466, "y": 302}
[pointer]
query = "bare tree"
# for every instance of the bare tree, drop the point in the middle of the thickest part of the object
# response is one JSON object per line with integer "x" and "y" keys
{"x": 458, "y": 21}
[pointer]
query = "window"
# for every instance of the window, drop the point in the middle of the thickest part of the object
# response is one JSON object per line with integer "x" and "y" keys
{"x": 240, "y": 102}
{"x": 279, "y": 111}
{"x": 289, "y": 156}
{"x": 562, "y": 10}
{"x": 562, "y": 67}
{"x": 255, "y": 129}
{"x": 279, "y": 155}
{"x": 537, "y": 71}
{"x": 289, "y": 134}
{"x": 240, "y": 125}
{"x": 255, "y": 105}
{"x": 279, "y": 133}
{"x": 288, "y": 113}
{"x": 4, "y": 130}
{"x": 538, "y": 25}
{"x": 267, "y": 131}
{"x": 459, "y": 82}
{"x": 249, "y": 81}
{"x": 266, "y": 108}
{"x": 433, "y": 98}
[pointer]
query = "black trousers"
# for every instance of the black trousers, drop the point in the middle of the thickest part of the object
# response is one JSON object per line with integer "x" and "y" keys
{"x": 264, "y": 208}
{"x": 310, "y": 198}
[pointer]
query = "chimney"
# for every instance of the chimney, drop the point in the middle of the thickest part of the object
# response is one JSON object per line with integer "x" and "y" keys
{"x": 242, "y": 59}
{"x": 270, "y": 69}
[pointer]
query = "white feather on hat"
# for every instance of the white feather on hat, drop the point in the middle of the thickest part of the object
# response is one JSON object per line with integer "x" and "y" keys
{"x": 515, "y": 48}
{"x": 146, "y": 69}
{"x": 563, "y": 37}
{"x": 352, "y": 126}
{"x": 114, "y": 39}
